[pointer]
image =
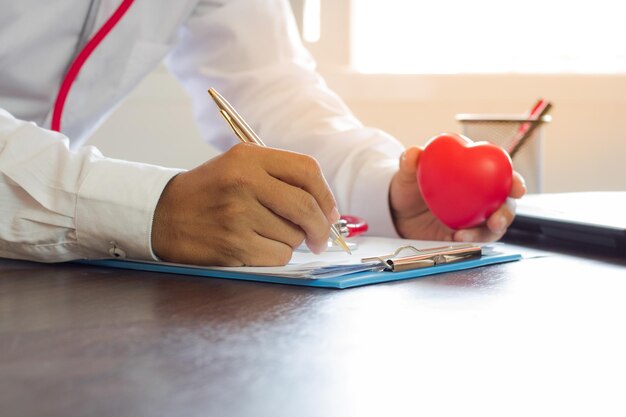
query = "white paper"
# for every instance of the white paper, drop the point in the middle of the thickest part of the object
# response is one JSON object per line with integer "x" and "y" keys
{"x": 329, "y": 264}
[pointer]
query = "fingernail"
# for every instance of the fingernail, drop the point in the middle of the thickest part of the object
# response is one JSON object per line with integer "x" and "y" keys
{"x": 317, "y": 249}
{"x": 465, "y": 236}
{"x": 522, "y": 181}
{"x": 500, "y": 224}
{"x": 334, "y": 215}
{"x": 403, "y": 156}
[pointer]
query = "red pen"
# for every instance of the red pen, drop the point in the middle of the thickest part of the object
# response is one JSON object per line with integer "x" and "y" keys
{"x": 526, "y": 129}
{"x": 532, "y": 115}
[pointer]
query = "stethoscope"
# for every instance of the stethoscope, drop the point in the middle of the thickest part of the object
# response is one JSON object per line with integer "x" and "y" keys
{"x": 79, "y": 61}
{"x": 349, "y": 225}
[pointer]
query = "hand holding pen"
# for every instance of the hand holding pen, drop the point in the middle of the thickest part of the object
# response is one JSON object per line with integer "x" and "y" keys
{"x": 245, "y": 133}
{"x": 249, "y": 206}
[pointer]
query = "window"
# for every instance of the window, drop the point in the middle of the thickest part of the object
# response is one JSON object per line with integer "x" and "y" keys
{"x": 408, "y": 66}
{"x": 487, "y": 36}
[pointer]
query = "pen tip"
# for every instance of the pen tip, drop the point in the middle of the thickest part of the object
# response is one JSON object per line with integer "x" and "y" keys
{"x": 338, "y": 239}
{"x": 344, "y": 246}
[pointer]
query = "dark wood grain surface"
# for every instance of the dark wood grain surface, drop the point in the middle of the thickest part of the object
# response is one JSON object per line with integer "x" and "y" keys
{"x": 543, "y": 336}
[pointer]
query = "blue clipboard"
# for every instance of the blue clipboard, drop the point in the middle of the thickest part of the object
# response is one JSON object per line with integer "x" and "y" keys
{"x": 343, "y": 281}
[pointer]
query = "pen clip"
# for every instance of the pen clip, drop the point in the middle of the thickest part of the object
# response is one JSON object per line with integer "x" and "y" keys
{"x": 423, "y": 258}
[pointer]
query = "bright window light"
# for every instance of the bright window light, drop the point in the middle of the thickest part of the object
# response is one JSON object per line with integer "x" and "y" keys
{"x": 488, "y": 36}
{"x": 311, "y": 21}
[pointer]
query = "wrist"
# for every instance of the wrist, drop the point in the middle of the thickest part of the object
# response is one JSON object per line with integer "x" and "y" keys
{"x": 160, "y": 236}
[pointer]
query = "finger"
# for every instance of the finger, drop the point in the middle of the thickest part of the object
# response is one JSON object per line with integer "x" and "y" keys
{"x": 518, "y": 189}
{"x": 244, "y": 248}
{"x": 408, "y": 164}
{"x": 297, "y": 206}
{"x": 476, "y": 234}
{"x": 277, "y": 228}
{"x": 261, "y": 251}
{"x": 502, "y": 218}
{"x": 304, "y": 172}
{"x": 268, "y": 252}
{"x": 494, "y": 228}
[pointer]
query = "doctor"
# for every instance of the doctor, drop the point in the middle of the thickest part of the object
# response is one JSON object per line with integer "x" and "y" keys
{"x": 249, "y": 206}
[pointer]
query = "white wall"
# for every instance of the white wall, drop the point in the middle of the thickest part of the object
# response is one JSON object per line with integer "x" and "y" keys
{"x": 584, "y": 145}
{"x": 154, "y": 125}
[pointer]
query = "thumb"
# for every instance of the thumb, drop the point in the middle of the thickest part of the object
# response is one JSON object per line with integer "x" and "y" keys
{"x": 408, "y": 164}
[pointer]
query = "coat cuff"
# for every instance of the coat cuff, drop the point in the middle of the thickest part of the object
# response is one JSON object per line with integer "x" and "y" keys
{"x": 370, "y": 196}
{"x": 115, "y": 208}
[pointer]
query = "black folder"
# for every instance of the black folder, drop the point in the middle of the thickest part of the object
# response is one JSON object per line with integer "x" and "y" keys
{"x": 590, "y": 219}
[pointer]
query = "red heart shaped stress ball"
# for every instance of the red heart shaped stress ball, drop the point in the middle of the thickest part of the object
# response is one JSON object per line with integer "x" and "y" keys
{"x": 463, "y": 182}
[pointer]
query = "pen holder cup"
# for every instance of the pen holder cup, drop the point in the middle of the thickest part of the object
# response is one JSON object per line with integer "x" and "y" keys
{"x": 500, "y": 130}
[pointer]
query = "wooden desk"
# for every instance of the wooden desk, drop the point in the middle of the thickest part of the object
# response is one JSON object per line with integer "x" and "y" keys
{"x": 543, "y": 336}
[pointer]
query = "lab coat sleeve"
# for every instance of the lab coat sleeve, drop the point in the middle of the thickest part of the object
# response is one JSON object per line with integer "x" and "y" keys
{"x": 251, "y": 52}
{"x": 60, "y": 205}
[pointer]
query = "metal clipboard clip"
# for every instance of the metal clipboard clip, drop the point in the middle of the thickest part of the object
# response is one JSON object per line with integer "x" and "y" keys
{"x": 423, "y": 258}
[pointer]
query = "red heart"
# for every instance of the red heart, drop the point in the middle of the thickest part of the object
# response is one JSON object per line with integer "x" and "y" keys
{"x": 463, "y": 182}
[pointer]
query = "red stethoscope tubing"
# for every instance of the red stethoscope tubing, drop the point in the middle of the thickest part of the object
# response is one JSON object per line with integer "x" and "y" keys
{"x": 82, "y": 57}
{"x": 356, "y": 225}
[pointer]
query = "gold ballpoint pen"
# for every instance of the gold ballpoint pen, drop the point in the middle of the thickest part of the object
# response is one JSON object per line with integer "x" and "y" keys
{"x": 245, "y": 133}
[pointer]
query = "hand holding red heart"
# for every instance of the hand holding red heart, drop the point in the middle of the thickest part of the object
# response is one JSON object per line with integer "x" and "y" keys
{"x": 463, "y": 182}
{"x": 454, "y": 190}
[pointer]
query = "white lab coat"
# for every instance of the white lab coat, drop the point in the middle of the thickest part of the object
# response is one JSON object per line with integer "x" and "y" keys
{"x": 59, "y": 201}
